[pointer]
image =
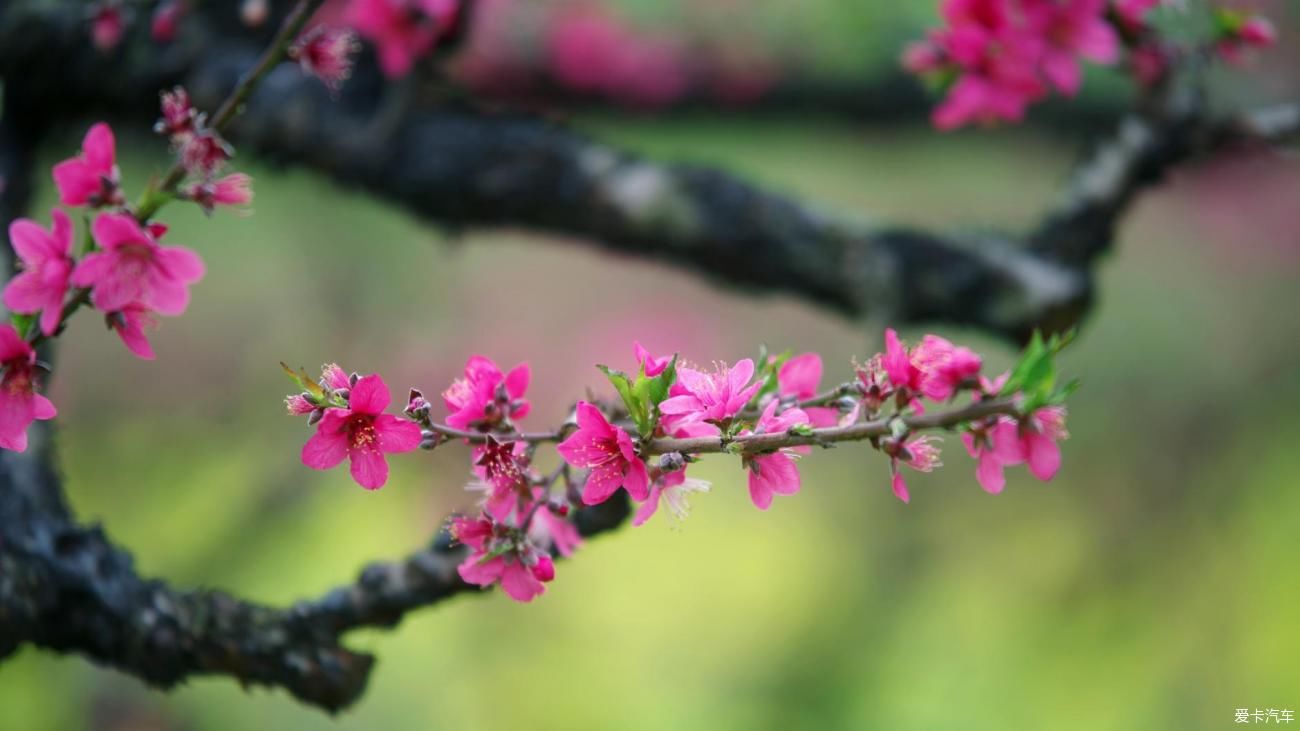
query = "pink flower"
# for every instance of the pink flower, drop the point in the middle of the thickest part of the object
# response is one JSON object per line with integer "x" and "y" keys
{"x": 923, "y": 57}
{"x": 132, "y": 267}
{"x": 995, "y": 60}
{"x": 549, "y": 529}
{"x": 994, "y": 448}
{"x": 20, "y": 405}
{"x": 178, "y": 114}
{"x": 1149, "y": 63}
{"x": 919, "y": 454}
{"x": 165, "y": 18}
{"x": 107, "y": 24}
{"x": 651, "y": 365}
{"x": 899, "y": 486}
{"x": 1132, "y": 13}
{"x": 799, "y": 379}
{"x": 326, "y": 53}
{"x": 901, "y": 365}
{"x": 671, "y": 489}
{"x": 204, "y": 152}
{"x": 335, "y": 378}
{"x": 91, "y": 178}
{"x": 608, "y": 453}
{"x": 235, "y": 189}
{"x": 945, "y": 367}
{"x": 47, "y": 266}
{"x": 503, "y": 467}
{"x": 1038, "y": 440}
{"x": 485, "y": 396}
{"x": 581, "y": 47}
{"x": 498, "y": 556}
{"x": 1069, "y": 31}
{"x": 1253, "y": 31}
{"x": 129, "y": 323}
{"x": 402, "y": 30}
{"x": 363, "y": 433}
{"x": 775, "y": 473}
{"x": 713, "y": 397}
{"x": 298, "y": 405}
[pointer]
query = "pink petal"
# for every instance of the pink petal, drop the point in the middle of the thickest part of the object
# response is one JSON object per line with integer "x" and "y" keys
{"x": 92, "y": 268}
{"x": 1044, "y": 456}
{"x": 33, "y": 243}
{"x": 113, "y": 229}
{"x": 800, "y": 376}
{"x": 648, "y": 508}
{"x": 591, "y": 419}
{"x": 759, "y": 492}
{"x": 481, "y": 573}
{"x": 602, "y": 481}
{"x": 167, "y": 296}
{"x": 99, "y": 148}
{"x": 43, "y": 408}
{"x": 686, "y": 404}
{"x": 517, "y": 381}
{"x": 180, "y": 263}
{"x": 75, "y": 181}
{"x": 136, "y": 341}
{"x": 327, "y": 447}
{"x": 990, "y": 474}
{"x": 636, "y": 481}
{"x": 520, "y": 584}
{"x": 740, "y": 374}
{"x": 52, "y": 315}
{"x": 370, "y": 395}
{"x": 26, "y": 294}
{"x": 899, "y": 486}
{"x": 369, "y": 468}
{"x": 396, "y": 434}
{"x": 1063, "y": 71}
{"x": 579, "y": 448}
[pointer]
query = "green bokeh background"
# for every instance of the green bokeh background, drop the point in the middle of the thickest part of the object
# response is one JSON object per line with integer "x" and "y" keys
{"x": 1152, "y": 585}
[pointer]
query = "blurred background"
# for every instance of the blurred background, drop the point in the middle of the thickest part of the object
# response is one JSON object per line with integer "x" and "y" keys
{"x": 1151, "y": 585}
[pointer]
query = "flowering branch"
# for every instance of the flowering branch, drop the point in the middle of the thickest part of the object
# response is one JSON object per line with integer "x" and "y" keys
{"x": 276, "y": 52}
{"x": 758, "y": 443}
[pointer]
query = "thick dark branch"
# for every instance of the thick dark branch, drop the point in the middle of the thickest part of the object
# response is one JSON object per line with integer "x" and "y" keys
{"x": 1082, "y": 225}
{"x": 66, "y": 587}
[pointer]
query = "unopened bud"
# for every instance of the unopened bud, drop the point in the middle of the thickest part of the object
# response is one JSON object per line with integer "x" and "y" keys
{"x": 672, "y": 462}
{"x": 428, "y": 439}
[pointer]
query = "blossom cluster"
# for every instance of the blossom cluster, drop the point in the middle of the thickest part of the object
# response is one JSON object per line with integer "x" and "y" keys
{"x": 119, "y": 264}
{"x": 768, "y": 412}
{"x": 996, "y": 57}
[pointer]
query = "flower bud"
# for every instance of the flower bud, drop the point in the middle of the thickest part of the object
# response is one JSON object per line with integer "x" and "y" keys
{"x": 544, "y": 569}
{"x": 672, "y": 462}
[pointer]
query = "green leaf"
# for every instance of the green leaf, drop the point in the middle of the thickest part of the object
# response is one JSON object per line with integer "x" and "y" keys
{"x": 633, "y": 398}
{"x": 22, "y": 323}
{"x": 304, "y": 381}
{"x": 803, "y": 430}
